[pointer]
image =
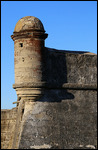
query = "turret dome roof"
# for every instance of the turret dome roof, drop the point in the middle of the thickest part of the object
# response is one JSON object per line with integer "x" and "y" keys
{"x": 29, "y": 23}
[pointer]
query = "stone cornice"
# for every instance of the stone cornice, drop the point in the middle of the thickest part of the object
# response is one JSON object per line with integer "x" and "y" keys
{"x": 29, "y": 34}
{"x": 74, "y": 86}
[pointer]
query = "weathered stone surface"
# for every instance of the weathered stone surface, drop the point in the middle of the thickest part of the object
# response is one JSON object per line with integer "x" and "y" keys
{"x": 28, "y": 22}
{"x": 61, "y": 67}
{"x": 60, "y": 122}
{"x": 8, "y": 120}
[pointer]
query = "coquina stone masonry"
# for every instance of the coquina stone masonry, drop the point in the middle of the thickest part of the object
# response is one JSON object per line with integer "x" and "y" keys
{"x": 28, "y": 36}
{"x": 56, "y": 93}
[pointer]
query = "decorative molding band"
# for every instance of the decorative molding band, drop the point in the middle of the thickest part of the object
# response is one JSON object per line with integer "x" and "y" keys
{"x": 29, "y": 34}
{"x": 74, "y": 86}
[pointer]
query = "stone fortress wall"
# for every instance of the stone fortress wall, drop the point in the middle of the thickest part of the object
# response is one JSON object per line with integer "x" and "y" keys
{"x": 8, "y": 119}
{"x": 57, "y": 94}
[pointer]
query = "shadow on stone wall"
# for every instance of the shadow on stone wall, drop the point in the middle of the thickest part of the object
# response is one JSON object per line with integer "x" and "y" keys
{"x": 55, "y": 95}
{"x": 54, "y": 74}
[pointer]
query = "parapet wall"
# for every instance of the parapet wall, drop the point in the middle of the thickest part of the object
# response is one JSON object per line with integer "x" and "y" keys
{"x": 8, "y": 119}
{"x": 61, "y": 67}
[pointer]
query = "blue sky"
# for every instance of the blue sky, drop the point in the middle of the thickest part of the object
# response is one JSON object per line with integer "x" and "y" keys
{"x": 71, "y": 25}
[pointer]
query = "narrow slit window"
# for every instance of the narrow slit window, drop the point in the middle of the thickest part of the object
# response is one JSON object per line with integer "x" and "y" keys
{"x": 21, "y": 44}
